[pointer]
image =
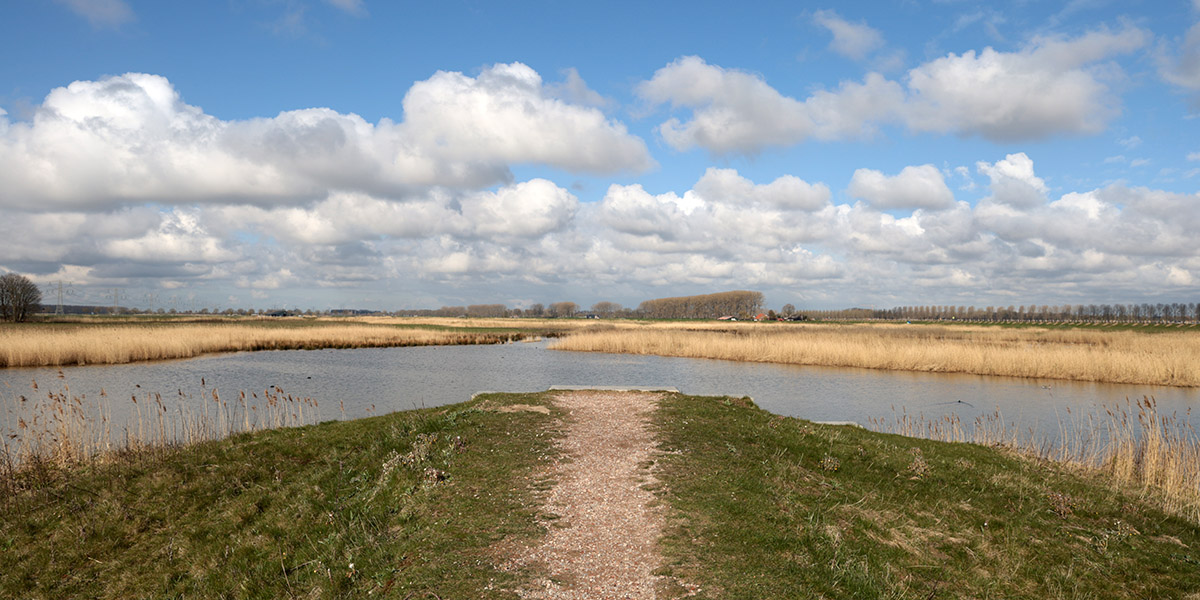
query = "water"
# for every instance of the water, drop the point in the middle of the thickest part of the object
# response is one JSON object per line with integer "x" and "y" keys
{"x": 381, "y": 380}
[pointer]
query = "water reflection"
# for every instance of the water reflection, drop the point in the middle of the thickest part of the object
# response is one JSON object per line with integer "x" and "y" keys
{"x": 380, "y": 380}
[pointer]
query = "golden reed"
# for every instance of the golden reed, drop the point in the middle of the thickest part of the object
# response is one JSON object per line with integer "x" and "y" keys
{"x": 46, "y": 427}
{"x": 115, "y": 344}
{"x": 1171, "y": 358}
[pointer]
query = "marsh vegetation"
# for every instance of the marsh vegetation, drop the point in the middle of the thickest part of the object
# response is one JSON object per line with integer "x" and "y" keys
{"x": 1138, "y": 355}
{"x": 124, "y": 341}
{"x": 1126, "y": 356}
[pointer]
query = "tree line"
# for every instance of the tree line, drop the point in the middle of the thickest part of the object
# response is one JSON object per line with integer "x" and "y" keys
{"x": 739, "y": 303}
{"x": 1145, "y": 312}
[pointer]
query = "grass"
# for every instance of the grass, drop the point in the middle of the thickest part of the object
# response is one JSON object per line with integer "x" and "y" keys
{"x": 770, "y": 507}
{"x": 1167, "y": 358}
{"x": 432, "y": 503}
{"x": 417, "y": 504}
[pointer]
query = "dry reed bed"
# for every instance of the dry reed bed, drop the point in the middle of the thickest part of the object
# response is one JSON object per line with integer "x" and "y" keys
{"x": 61, "y": 427}
{"x": 48, "y": 427}
{"x": 123, "y": 344}
{"x": 1080, "y": 355}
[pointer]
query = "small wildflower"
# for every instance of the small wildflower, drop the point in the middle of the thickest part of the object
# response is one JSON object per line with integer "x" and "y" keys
{"x": 830, "y": 463}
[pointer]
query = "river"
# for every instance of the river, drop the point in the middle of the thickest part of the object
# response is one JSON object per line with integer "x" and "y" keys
{"x": 359, "y": 382}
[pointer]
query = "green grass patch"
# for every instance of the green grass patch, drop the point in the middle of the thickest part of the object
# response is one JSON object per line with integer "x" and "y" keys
{"x": 414, "y": 504}
{"x": 771, "y": 507}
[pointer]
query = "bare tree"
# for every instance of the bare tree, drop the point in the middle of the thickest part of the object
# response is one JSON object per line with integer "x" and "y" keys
{"x": 18, "y": 297}
{"x": 606, "y": 309}
{"x": 563, "y": 309}
{"x": 487, "y": 310}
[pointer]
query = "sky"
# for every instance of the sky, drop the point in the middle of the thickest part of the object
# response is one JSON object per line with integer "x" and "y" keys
{"x": 388, "y": 155}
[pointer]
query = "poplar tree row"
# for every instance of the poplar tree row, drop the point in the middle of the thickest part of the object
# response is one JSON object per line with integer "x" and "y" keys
{"x": 740, "y": 303}
{"x": 1146, "y": 312}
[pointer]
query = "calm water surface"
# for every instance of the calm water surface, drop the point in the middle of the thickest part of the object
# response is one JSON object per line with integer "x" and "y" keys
{"x": 380, "y": 380}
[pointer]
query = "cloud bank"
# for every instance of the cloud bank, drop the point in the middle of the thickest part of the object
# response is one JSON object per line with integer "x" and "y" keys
{"x": 131, "y": 139}
{"x": 118, "y": 182}
{"x": 1052, "y": 86}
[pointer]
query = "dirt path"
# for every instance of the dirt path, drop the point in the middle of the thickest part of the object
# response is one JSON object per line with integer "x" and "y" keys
{"x": 603, "y": 546}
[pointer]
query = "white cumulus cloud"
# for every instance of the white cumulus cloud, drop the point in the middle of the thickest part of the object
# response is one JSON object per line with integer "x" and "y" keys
{"x": 786, "y": 192}
{"x": 506, "y": 115}
{"x": 914, "y": 187}
{"x": 735, "y": 111}
{"x": 1052, "y": 86}
{"x": 1183, "y": 69}
{"x": 132, "y": 139}
{"x": 178, "y": 238}
{"x": 1013, "y": 181}
{"x": 528, "y": 209}
{"x": 852, "y": 40}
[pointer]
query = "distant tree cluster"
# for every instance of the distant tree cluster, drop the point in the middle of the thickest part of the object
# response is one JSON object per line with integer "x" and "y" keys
{"x": 739, "y": 303}
{"x": 487, "y": 310}
{"x": 19, "y": 297}
{"x": 560, "y": 310}
{"x": 607, "y": 309}
{"x": 1146, "y": 312}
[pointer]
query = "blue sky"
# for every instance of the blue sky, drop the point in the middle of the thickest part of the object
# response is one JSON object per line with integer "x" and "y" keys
{"x": 382, "y": 155}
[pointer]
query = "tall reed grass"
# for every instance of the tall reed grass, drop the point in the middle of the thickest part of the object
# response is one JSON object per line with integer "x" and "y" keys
{"x": 55, "y": 427}
{"x": 1083, "y": 355}
{"x": 68, "y": 345}
{"x": 1132, "y": 444}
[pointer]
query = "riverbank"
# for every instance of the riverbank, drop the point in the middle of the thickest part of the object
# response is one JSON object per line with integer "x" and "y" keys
{"x": 772, "y": 507}
{"x": 1125, "y": 356}
{"x": 439, "y": 502}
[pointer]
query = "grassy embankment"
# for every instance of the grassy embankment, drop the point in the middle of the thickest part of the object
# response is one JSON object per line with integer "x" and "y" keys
{"x": 417, "y": 504}
{"x": 1167, "y": 358}
{"x": 770, "y": 507}
{"x": 431, "y": 503}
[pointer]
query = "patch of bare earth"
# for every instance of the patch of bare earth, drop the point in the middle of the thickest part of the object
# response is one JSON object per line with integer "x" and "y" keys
{"x": 603, "y": 545}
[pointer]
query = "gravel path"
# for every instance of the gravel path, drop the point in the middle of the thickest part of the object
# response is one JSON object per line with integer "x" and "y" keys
{"x": 604, "y": 544}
